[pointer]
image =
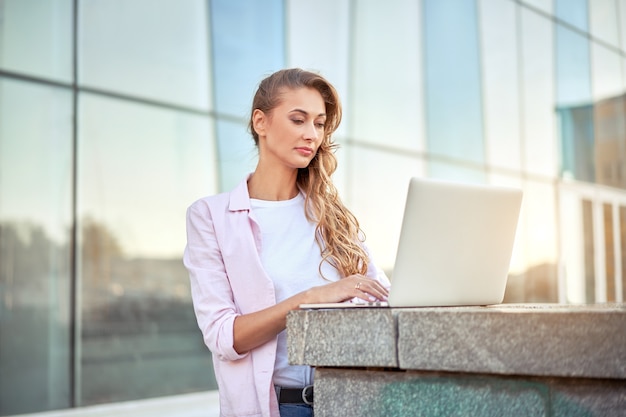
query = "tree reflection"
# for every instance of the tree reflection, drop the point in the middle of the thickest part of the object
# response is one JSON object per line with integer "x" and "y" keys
{"x": 136, "y": 320}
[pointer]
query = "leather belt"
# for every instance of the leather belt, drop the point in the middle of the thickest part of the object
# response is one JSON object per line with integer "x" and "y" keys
{"x": 296, "y": 395}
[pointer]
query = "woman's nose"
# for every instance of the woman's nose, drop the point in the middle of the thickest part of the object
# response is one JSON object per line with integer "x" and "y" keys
{"x": 310, "y": 132}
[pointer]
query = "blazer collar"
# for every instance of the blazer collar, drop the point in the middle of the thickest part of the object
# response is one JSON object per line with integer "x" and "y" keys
{"x": 239, "y": 196}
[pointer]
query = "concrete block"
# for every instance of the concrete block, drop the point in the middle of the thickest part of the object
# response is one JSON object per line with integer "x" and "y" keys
{"x": 350, "y": 393}
{"x": 584, "y": 398}
{"x": 564, "y": 341}
{"x": 378, "y": 393}
{"x": 359, "y": 337}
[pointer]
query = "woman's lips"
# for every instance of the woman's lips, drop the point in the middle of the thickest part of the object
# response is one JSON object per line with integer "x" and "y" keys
{"x": 305, "y": 151}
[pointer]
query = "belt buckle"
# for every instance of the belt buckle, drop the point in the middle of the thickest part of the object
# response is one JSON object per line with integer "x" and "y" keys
{"x": 307, "y": 392}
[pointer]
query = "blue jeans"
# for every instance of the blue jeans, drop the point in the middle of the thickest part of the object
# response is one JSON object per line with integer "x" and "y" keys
{"x": 295, "y": 410}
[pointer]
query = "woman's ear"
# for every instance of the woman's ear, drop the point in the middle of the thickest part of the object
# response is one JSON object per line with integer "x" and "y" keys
{"x": 259, "y": 121}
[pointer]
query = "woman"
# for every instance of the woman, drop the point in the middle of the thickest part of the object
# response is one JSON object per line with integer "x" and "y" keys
{"x": 281, "y": 238}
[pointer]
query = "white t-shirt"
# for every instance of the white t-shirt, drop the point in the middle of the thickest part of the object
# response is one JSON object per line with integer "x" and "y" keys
{"x": 291, "y": 257}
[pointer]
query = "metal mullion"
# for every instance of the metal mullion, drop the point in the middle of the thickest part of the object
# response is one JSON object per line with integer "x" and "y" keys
{"x": 617, "y": 250}
{"x": 599, "y": 250}
{"x": 74, "y": 331}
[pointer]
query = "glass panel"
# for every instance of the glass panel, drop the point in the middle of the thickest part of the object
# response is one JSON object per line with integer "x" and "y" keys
{"x": 538, "y": 281}
{"x": 378, "y": 206}
{"x": 158, "y": 53}
{"x": 590, "y": 286}
{"x": 603, "y": 16}
{"x": 538, "y": 120}
{"x": 574, "y": 12}
{"x": 515, "y": 287}
{"x": 609, "y": 118}
{"x": 574, "y": 105}
{"x": 573, "y": 77}
{"x": 577, "y": 142}
{"x": 543, "y": 5}
{"x": 385, "y": 103}
{"x": 36, "y": 38}
{"x": 238, "y": 153}
{"x": 572, "y": 244}
{"x": 35, "y": 234}
{"x": 606, "y": 71}
{"x": 241, "y": 59}
{"x": 330, "y": 54}
{"x": 500, "y": 83}
{"x": 139, "y": 169}
{"x": 609, "y": 252}
{"x": 452, "y": 78}
{"x": 456, "y": 172}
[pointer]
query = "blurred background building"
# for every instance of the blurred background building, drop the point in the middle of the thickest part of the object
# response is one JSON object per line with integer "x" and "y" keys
{"x": 115, "y": 115}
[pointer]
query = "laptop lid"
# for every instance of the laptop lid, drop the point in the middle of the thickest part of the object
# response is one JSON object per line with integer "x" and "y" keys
{"x": 455, "y": 244}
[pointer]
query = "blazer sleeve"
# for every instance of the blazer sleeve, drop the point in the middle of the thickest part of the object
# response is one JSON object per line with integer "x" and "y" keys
{"x": 211, "y": 292}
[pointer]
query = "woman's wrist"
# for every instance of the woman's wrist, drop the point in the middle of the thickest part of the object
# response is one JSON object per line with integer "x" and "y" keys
{"x": 306, "y": 297}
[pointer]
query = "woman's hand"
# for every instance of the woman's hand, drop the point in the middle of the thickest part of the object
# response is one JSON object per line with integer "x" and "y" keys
{"x": 354, "y": 286}
{"x": 253, "y": 329}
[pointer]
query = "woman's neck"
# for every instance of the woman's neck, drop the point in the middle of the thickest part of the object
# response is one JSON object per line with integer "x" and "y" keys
{"x": 273, "y": 185}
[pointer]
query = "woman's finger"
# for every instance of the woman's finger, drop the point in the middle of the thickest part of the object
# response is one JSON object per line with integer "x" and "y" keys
{"x": 365, "y": 288}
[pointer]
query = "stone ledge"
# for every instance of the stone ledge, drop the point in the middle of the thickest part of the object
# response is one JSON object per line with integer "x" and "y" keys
{"x": 509, "y": 339}
{"x": 355, "y": 393}
{"x": 548, "y": 340}
{"x": 359, "y": 337}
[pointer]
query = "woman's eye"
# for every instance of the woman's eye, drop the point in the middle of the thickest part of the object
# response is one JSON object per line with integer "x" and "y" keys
{"x": 320, "y": 125}
{"x": 298, "y": 121}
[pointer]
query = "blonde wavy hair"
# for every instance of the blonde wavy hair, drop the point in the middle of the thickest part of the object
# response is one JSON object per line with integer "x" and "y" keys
{"x": 338, "y": 233}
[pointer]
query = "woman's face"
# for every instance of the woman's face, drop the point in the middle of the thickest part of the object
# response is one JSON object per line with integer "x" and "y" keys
{"x": 293, "y": 131}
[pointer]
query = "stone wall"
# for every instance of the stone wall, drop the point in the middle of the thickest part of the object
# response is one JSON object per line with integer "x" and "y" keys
{"x": 518, "y": 360}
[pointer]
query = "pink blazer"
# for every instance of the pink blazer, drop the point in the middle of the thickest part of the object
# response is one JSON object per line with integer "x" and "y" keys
{"x": 227, "y": 280}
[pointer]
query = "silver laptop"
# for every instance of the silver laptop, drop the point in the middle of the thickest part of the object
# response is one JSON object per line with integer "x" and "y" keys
{"x": 455, "y": 246}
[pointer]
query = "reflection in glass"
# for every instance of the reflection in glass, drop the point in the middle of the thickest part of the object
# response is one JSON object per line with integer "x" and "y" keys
{"x": 385, "y": 105}
{"x": 574, "y": 12}
{"x": 35, "y": 225}
{"x": 573, "y": 66}
{"x": 36, "y": 38}
{"x": 609, "y": 118}
{"x": 139, "y": 168}
{"x": 574, "y": 108}
{"x": 321, "y": 23}
{"x": 537, "y": 83}
{"x": 238, "y": 153}
{"x": 606, "y": 71}
{"x": 501, "y": 96}
{"x": 538, "y": 282}
{"x": 241, "y": 59}
{"x": 452, "y": 80}
{"x": 610, "y": 150}
{"x": 577, "y": 142}
{"x": 543, "y": 5}
{"x": 139, "y": 48}
{"x": 572, "y": 251}
{"x": 603, "y": 17}
{"x": 518, "y": 262}
{"x": 456, "y": 172}
{"x": 378, "y": 199}
{"x": 241, "y": 56}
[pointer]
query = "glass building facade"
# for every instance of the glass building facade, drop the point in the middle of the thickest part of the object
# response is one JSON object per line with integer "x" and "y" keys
{"x": 115, "y": 115}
